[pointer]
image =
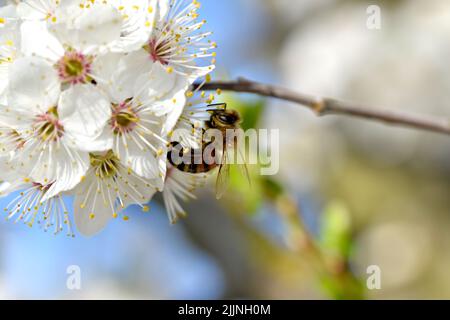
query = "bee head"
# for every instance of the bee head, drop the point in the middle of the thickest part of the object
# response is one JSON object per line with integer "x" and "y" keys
{"x": 225, "y": 118}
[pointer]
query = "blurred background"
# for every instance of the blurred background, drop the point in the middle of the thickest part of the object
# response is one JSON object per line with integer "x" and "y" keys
{"x": 349, "y": 194}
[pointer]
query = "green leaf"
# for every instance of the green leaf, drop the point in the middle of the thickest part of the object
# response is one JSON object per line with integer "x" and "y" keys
{"x": 247, "y": 197}
{"x": 336, "y": 229}
{"x": 272, "y": 188}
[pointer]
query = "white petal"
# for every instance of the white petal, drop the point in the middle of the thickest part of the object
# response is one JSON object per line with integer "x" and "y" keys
{"x": 55, "y": 164}
{"x": 34, "y": 85}
{"x": 16, "y": 118}
{"x": 94, "y": 27}
{"x": 176, "y": 106}
{"x": 162, "y": 8}
{"x": 9, "y": 46}
{"x": 130, "y": 68}
{"x": 85, "y": 207}
{"x": 142, "y": 151}
{"x": 7, "y": 173}
{"x": 118, "y": 73}
{"x": 132, "y": 156}
{"x": 147, "y": 166}
{"x": 35, "y": 9}
{"x": 84, "y": 112}
{"x": 163, "y": 91}
{"x": 140, "y": 191}
{"x": 103, "y": 142}
{"x": 138, "y": 18}
{"x": 38, "y": 41}
{"x": 4, "y": 79}
{"x": 104, "y": 68}
{"x": 9, "y": 12}
{"x": 164, "y": 84}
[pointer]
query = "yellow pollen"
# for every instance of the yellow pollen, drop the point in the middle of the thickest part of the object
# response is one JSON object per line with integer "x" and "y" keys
{"x": 160, "y": 152}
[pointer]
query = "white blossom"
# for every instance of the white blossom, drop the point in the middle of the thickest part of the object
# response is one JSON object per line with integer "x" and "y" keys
{"x": 58, "y": 128}
{"x": 9, "y": 45}
{"x": 141, "y": 96}
{"x": 90, "y": 95}
{"x": 107, "y": 189}
{"x": 178, "y": 42}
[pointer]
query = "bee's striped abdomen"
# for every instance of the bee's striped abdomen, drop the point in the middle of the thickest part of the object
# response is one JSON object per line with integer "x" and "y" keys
{"x": 195, "y": 164}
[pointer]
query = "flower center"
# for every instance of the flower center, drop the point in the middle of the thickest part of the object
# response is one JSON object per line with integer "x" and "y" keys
{"x": 48, "y": 127}
{"x": 158, "y": 51}
{"x": 74, "y": 67}
{"x": 124, "y": 118}
{"x": 41, "y": 187}
{"x": 106, "y": 165}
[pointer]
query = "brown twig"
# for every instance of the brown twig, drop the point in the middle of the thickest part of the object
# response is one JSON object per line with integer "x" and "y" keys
{"x": 327, "y": 106}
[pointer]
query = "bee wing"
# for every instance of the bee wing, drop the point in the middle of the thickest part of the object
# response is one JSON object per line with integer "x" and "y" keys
{"x": 223, "y": 176}
{"x": 244, "y": 169}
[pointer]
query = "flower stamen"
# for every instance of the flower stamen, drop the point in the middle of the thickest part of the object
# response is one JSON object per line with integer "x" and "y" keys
{"x": 48, "y": 127}
{"x": 105, "y": 166}
{"x": 74, "y": 67}
{"x": 124, "y": 119}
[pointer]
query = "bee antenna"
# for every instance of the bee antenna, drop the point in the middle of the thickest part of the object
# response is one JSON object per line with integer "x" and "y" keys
{"x": 218, "y": 105}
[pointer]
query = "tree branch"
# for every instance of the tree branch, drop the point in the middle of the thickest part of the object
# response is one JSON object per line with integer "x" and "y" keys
{"x": 327, "y": 106}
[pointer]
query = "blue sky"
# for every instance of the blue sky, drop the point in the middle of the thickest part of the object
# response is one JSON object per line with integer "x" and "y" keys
{"x": 240, "y": 29}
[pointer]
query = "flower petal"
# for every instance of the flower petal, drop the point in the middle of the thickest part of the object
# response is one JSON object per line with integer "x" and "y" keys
{"x": 120, "y": 72}
{"x": 176, "y": 106}
{"x": 148, "y": 166}
{"x": 140, "y": 191}
{"x": 34, "y": 85}
{"x": 162, "y": 92}
{"x": 164, "y": 84}
{"x": 91, "y": 214}
{"x": 54, "y": 164}
{"x": 36, "y": 9}
{"x": 138, "y": 16}
{"x": 9, "y": 47}
{"x": 93, "y": 27}
{"x": 38, "y": 41}
{"x": 84, "y": 112}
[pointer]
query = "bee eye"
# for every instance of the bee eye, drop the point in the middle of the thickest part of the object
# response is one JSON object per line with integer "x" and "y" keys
{"x": 224, "y": 118}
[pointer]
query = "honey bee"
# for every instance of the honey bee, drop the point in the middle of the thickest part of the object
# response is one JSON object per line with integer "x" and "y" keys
{"x": 221, "y": 119}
